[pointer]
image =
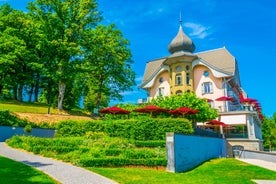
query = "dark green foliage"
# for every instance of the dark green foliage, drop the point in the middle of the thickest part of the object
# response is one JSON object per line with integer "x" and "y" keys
{"x": 28, "y": 128}
{"x": 98, "y": 151}
{"x": 78, "y": 128}
{"x": 150, "y": 143}
{"x": 134, "y": 129}
{"x": 7, "y": 119}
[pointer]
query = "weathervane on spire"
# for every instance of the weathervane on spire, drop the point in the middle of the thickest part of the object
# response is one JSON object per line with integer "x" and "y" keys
{"x": 180, "y": 19}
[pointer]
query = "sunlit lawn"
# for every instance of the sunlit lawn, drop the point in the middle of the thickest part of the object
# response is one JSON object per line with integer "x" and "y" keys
{"x": 12, "y": 172}
{"x": 14, "y": 106}
{"x": 221, "y": 171}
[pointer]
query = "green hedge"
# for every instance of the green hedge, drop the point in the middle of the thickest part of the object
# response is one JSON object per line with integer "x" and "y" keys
{"x": 7, "y": 119}
{"x": 100, "y": 151}
{"x": 135, "y": 129}
{"x": 117, "y": 161}
{"x": 150, "y": 143}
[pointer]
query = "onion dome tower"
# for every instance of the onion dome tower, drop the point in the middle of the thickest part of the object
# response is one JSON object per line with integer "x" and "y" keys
{"x": 181, "y": 42}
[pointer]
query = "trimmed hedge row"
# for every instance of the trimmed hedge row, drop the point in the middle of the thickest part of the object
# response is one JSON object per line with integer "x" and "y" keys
{"x": 150, "y": 143}
{"x": 102, "y": 151}
{"x": 135, "y": 129}
{"x": 115, "y": 161}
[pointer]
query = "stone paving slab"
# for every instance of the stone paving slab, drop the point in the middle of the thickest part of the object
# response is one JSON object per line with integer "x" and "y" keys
{"x": 63, "y": 172}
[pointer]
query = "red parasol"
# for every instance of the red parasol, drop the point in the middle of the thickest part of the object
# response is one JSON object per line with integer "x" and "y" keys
{"x": 150, "y": 109}
{"x": 183, "y": 111}
{"x": 114, "y": 110}
{"x": 209, "y": 100}
{"x": 249, "y": 100}
{"x": 216, "y": 123}
{"x": 225, "y": 98}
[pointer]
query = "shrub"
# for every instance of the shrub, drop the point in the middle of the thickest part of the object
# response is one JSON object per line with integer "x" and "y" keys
{"x": 150, "y": 143}
{"x": 7, "y": 119}
{"x": 142, "y": 129}
{"x": 28, "y": 128}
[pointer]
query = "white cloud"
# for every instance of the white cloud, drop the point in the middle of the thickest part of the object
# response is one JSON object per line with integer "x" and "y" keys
{"x": 198, "y": 30}
{"x": 139, "y": 79}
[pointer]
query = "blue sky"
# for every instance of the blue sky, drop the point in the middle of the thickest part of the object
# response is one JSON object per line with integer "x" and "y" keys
{"x": 246, "y": 28}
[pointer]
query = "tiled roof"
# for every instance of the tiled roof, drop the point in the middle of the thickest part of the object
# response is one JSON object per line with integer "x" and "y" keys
{"x": 220, "y": 59}
{"x": 151, "y": 68}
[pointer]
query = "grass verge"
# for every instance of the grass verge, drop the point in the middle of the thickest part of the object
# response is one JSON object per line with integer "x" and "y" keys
{"x": 222, "y": 171}
{"x": 12, "y": 172}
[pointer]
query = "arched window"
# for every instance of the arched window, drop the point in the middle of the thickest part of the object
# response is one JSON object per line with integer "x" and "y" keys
{"x": 179, "y": 92}
{"x": 187, "y": 67}
{"x": 187, "y": 78}
{"x": 178, "y": 79}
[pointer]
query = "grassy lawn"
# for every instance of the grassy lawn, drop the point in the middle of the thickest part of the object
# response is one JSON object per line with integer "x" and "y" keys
{"x": 214, "y": 171}
{"x": 15, "y": 172}
{"x": 14, "y": 106}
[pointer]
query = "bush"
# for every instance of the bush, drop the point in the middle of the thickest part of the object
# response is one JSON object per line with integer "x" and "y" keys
{"x": 143, "y": 129}
{"x": 104, "y": 151}
{"x": 6, "y": 119}
{"x": 28, "y": 128}
{"x": 150, "y": 143}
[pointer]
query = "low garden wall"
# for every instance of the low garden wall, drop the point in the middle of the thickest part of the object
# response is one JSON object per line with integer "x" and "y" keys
{"x": 261, "y": 155}
{"x": 185, "y": 152}
{"x": 7, "y": 132}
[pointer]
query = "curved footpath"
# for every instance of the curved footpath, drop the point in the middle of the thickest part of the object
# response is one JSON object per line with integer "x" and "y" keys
{"x": 62, "y": 172}
{"x": 69, "y": 174}
{"x": 264, "y": 164}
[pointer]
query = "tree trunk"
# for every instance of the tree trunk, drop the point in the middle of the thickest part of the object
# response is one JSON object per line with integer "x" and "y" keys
{"x": 30, "y": 93}
{"x": 15, "y": 92}
{"x": 36, "y": 89}
{"x": 20, "y": 93}
{"x": 99, "y": 95}
{"x": 61, "y": 88}
{"x": 1, "y": 88}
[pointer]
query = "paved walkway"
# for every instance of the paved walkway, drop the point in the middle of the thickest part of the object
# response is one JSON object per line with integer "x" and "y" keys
{"x": 264, "y": 164}
{"x": 261, "y": 163}
{"x": 70, "y": 174}
{"x": 62, "y": 172}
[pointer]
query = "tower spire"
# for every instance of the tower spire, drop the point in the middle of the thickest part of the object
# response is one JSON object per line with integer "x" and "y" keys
{"x": 180, "y": 19}
{"x": 181, "y": 42}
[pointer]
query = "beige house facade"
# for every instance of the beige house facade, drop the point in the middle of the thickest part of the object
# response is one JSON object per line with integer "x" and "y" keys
{"x": 210, "y": 75}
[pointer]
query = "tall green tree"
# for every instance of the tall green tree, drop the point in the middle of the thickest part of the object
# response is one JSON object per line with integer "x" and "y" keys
{"x": 107, "y": 60}
{"x": 190, "y": 100}
{"x": 18, "y": 44}
{"x": 269, "y": 132}
{"x": 63, "y": 23}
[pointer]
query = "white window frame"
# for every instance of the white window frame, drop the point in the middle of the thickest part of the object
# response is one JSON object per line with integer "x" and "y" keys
{"x": 207, "y": 88}
{"x": 161, "y": 91}
{"x": 178, "y": 79}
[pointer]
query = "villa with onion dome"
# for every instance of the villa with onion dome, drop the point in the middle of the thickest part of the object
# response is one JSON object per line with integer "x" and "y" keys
{"x": 212, "y": 75}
